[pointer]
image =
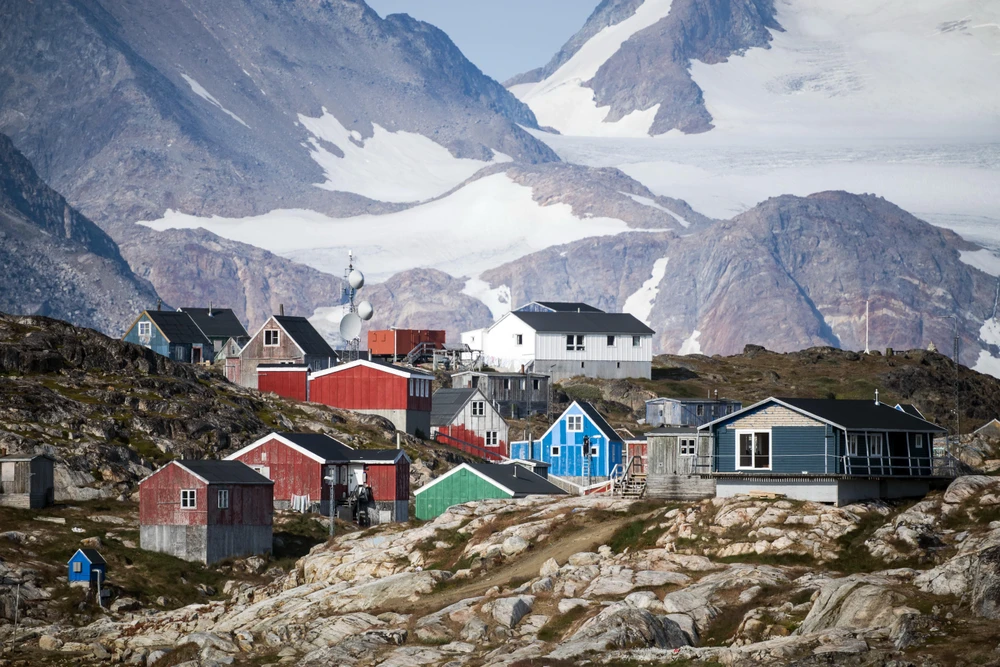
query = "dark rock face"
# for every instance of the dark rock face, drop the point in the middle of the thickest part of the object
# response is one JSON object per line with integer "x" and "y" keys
{"x": 792, "y": 272}
{"x": 54, "y": 261}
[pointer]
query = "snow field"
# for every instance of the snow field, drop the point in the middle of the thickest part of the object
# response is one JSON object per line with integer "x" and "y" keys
{"x": 200, "y": 91}
{"x": 640, "y": 303}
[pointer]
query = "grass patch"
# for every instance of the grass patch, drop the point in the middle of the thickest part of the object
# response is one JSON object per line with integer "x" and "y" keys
{"x": 448, "y": 556}
{"x": 636, "y": 535}
{"x": 788, "y": 560}
{"x": 558, "y": 625}
{"x": 854, "y": 557}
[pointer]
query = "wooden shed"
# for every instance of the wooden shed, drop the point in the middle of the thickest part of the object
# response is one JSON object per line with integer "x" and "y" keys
{"x": 677, "y": 463}
{"x": 469, "y": 482}
{"x": 206, "y": 511}
{"x": 464, "y": 419}
{"x": 27, "y": 481}
{"x": 87, "y": 566}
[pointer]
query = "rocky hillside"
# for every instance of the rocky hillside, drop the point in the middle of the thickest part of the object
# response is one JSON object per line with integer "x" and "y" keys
{"x": 537, "y": 582}
{"x": 56, "y": 262}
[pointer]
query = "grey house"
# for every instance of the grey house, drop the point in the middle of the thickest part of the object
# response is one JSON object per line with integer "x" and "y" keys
{"x": 677, "y": 460}
{"x": 688, "y": 411}
{"x": 515, "y": 395}
{"x": 27, "y": 481}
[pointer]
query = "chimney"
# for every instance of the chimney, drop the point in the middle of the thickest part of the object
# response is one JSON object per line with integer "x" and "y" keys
{"x": 210, "y": 314}
{"x": 399, "y": 440}
{"x": 876, "y": 397}
{"x": 281, "y": 309}
{"x": 515, "y": 466}
{"x": 159, "y": 304}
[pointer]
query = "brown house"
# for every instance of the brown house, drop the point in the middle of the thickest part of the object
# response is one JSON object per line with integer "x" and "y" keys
{"x": 27, "y": 481}
{"x": 282, "y": 340}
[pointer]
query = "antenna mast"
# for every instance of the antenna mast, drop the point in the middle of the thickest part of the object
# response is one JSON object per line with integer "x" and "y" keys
{"x": 357, "y": 313}
{"x": 867, "y": 351}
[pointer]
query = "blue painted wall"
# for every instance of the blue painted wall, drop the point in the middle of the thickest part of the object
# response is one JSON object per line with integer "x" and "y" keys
{"x": 569, "y": 462}
{"x": 159, "y": 344}
{"x": 86, "y": 569}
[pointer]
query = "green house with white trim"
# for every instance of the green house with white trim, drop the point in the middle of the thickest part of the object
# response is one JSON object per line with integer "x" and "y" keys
{"x": 470, "y": 482}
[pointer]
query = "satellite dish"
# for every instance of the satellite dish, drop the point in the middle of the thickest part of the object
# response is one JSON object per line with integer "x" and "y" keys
{"x": 350, "y": 326}
{"x": 365, "y": 311}
{"x": 356, "y": 279}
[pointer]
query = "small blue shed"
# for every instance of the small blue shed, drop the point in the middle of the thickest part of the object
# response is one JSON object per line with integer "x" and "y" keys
{"x": 562, "y": 446}
{"x": 87, "y": 565}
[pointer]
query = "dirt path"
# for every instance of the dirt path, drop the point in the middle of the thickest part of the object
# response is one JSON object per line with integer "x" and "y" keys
{"x": 527, "y": 567}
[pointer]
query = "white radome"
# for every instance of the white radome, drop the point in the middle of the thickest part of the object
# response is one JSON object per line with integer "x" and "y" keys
{"x": 350, "y": 326}
{"x": 356, "y": 279}
{"x": 365, "y": 311}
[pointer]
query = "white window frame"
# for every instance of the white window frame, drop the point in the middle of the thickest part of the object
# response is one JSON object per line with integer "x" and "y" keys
{"x": 575, "y": 343}
{"x": 918, "y": 440}
{"x": 518, "y": 339}
{"x": 222, "y": 500}
{"x": 853, "y": 445}
{"x": 595, "y": 450}
{"x": 687, "y": 446}
{"x": 536, "y": 384}
{"x": 873, "y": 440}
{"x": 492, "y": 438}
{"x": 145, "y": 328}
{"x": 478, "y": 408}
{"x": 753, "y": 456}
{"x": 699, "y": 409}
{"x": 77, "y": 567}
{"x": 189, "y": 499}
{"x": 506, "y": 384}
{"x": 554, "y": 451}
{"x": 636, "y": 341}
{"x": 277, "y": 337}
{"x": 574, "y": 423}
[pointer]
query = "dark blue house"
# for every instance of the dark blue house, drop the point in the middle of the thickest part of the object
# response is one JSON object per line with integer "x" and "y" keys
{"x": 87, "y": 566}
{"x": 824, "y": 450}
{"x": 580, "y": 446}
{"x": 171, "y": 333}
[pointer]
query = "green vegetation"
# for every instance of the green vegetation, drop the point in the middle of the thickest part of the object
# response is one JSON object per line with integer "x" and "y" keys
{"x": 557, "y": 626}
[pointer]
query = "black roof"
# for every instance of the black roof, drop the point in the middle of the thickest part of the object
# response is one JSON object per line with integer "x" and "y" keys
{"x": 517, "y": 478}
{"x": 178, "y": 328}
{"x": 305, "y": 336}
{"x": 859, "y": 415}
{"x": 93, "y": 556}
{"x": 910, "y": 409}
{"x": 217, "y": 322}
{"x": 583, "y": 323}
{"x": 599, "y": 421}
{"x": 566, "y": 306}
{"x": 376, "y": 454}
{"x": 446, "y": 403}
{"x": 322, "y": 445}
{"x": 224, "y": 472}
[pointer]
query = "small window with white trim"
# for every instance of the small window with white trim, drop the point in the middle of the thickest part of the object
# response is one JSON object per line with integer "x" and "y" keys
{"x": 875, "y": 444}
{"x": 189, "y": 499}
{"x": 145, "y": 329}
{"x": 574, "y": 423}
{"x": 611, "y": 341}
{"x": 636, "y": 341}
{"x": 272, "y": 337}
{"x": 753, "y": 450}
{"x": 853, "y": 445}
{"x": 223, "y": 499}
{"x": 555, "y": 450}
{"x": 492, "y": 438}
{"x": 478, "y": 408}
{"x": 687, "y": 446}
{"x": 77, "y": 567}
{"x": 918, "y": 440}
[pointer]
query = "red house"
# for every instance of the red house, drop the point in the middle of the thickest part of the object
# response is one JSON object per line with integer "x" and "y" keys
{"x": 374, "y": 483}
{"x": 400, "y": 394}
{"x": 206, "y": 511}
{"x": 464, "y": 419}
{"x": 287, "y": 380}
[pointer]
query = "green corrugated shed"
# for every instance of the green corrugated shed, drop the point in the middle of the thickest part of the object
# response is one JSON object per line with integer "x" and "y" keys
{"x": 461, "y": 487}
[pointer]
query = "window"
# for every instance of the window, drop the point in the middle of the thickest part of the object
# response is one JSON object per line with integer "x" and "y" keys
{"x": 272, "y": 338}
{"x": 636, "y": 341}
{"x": 478, "y": 408}
{"x": 852, "y": 445}
{"x": 263, "y": 457}
{"x": 523, "y": 382}
{"x": 506, "y": 384}
{"x": 535, "y": 384}
{"x": 875, "y": 444}
{"x": 145, "y": 329}
{"x": 492, "y": 439}
{"x": 188, "y": 499}
{"x": 77, "y": 566}
{"x": 518, "y": 339}
{"x": 918, "y": 440}
{"x": 700, "y": 410}
{"x": 611, "y": 341}
{"x": 223, "y": 499}
{"x": 555, "y": 450}
{"x": 574, "y": 423}
{"x": 574, "y": 343}
{"x": 687, "y": 446}
{"x": 753, "y": 450}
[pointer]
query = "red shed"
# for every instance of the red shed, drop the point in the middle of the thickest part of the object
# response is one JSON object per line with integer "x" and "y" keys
{"x": 286, "y": 380}
{"x": 396, "y": 343}
{"x": 206, "y": 510}
{"x": 375, "y": 483}
{"x": 402, "y": 395}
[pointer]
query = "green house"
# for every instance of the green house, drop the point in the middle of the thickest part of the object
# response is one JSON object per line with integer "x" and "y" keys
{"x": 469, "y": 482}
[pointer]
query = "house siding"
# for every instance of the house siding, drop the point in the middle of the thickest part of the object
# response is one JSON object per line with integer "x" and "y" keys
{"x": 27, "y": 484}
{"x": 514, "y": 395}
{"x": 473, "y": 428}
{"x": 678, "y": 412}
{"x": 156, "y": 342}
{"x": 289, "y": 384}
{"x": 461, "y": 487}
{"x": 570, "y": 461}
{"x": 794, "y": 449}
{"x": 293, "y": 473}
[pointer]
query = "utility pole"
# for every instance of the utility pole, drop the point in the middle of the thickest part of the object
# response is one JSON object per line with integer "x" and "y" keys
{"x": 332, "y": 479}
{"x": 867, "y": 351}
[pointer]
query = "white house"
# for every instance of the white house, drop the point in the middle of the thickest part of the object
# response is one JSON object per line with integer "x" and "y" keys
{"x": 574, "y": 339}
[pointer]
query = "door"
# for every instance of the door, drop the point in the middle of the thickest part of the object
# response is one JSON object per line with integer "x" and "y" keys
{"x": 196, "y": 355}
{"x": 657, "y": 456}
{"x": 263, "y": 470}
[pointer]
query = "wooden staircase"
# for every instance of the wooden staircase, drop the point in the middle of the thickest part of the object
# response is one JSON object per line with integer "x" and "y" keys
{"x": 633, "y": 487}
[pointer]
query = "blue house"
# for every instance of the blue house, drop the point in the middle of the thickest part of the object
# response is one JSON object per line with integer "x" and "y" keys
{"x": 173, "y": 334}
{"x": 562, "y": 446}
{"x": 824, "y": 450}
{"x": 87, "y": 566}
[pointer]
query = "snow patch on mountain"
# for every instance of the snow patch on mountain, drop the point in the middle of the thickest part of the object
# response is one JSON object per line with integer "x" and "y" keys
{"x": 646, "y": 201}
{"x": 691, "y": 345}
{"x": 486, "y": 223}
{"x": 984, "y": 260}
{"x": 564, "y": 102}
{"x": 201, "y": 92}
{"x": 892, "y": 68}
{"x": 640, "y": 303}
{"x": 496, "y": 299}
{"x": 989, "y": 334}
{"x": 390, "y": 166}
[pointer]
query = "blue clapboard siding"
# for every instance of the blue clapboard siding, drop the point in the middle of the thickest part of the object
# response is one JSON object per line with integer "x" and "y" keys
{"x": 157, "y": 342}
{"x": 569, "y": 462}
{"x": 794, "y": 449}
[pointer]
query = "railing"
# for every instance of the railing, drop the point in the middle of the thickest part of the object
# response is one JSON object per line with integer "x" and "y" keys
{"x": 469, "y": 448}
{"x": 899, "y": 466}
{"x": 620, "y": 475}
{"x": 579, "y": 489}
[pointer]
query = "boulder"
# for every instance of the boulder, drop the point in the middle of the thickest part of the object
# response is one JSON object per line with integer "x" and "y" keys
{"x": 986, "y": 584}
{"x": 967, "y": 486}
{"x": 91, "y": 542}
{"x": 509, "y": 611}
{"x": 475, "y": 630}
{"x": 620, "y": 627}
{"x": 204, "y": 639}
{"x": 584, "y": 558}
{"x": 49, "y": 643}
{"x": 549, "y": 568}
{"x": 858, "y": 601}
{"x": 543, "y": 585}
{"x": 568, "y": 604}
{"x": 513, "y": 545}
{"x": 124, "y": 604}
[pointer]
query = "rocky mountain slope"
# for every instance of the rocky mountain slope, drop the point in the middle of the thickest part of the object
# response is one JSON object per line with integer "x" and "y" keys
{"x": 557, "y": 582}
{"x": 56, "y": 262}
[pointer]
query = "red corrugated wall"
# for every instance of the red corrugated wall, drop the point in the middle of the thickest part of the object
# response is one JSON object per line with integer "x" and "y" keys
{"x": 365, "y": 388}
{"x": 383, "y": 480}
{"x": 289, "y": 384}
{"x": 637, "y": 449}
{"x": 160, "y": 498}
{"x": 381, "y": 341}
{"x": 293, "y": 473}
{"x": 467, "y": 435}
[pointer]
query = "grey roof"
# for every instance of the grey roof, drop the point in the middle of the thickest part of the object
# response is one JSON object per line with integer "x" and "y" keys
{"x": 217, "y": 322}
{"x": 517, "y": 478}
{"x": 510, "y": 374}
{"x": 584, "y": 323}
{"x": 566, "y": 306}
{"x": 694, "y": 400}
{"x": 26, "y": 457}
{"x": 177, "y": 327}
{"x": 224, "y": 472}
{"x": 599, "y": 421}
{"x": 447, "y": 403}
{"x": 93, "y": 556}
{"x": 305, "y": 336}
{"x": 673, "y": 430}
{"x": 322, "y": 445}
{"x": 860, "y": 415}
{"x": 387, "y": 455}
